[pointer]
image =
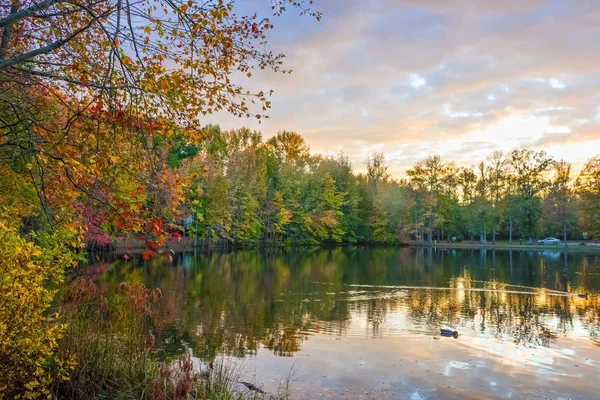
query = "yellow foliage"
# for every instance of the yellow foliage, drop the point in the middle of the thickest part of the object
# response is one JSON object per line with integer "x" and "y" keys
{"x": 29, "y": 267}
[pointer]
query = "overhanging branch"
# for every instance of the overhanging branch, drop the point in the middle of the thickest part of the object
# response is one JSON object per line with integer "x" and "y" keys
{"x": 50, "y": 47}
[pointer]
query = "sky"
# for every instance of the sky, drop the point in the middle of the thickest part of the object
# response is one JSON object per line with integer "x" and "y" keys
{"x": 458, "y": 78}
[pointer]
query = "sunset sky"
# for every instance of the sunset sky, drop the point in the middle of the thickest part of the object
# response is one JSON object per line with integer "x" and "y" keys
{"x": 457, "y": 78}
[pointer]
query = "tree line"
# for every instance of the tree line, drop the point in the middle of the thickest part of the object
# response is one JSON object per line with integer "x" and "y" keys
{"x": 241, "y": 189}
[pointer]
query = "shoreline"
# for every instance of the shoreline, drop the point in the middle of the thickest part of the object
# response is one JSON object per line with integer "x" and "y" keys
{"x": 571, "y": 246}
{"x": 187, "y": 245}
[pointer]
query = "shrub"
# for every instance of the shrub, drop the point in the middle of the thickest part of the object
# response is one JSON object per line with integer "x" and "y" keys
{"x": 28, "y": 336}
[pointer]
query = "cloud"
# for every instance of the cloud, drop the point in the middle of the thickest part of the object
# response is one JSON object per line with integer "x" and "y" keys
{"x": 458, "y": 78}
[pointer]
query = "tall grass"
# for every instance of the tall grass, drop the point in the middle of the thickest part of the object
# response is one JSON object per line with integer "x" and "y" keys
{"x": 111, "y": 341}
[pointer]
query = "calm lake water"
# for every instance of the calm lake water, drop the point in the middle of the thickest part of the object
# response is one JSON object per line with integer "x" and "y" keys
{"x": 365, "y": 322}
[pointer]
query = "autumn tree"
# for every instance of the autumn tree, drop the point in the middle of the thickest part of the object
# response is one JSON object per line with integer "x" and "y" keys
{"x": 170, "y": 60}
{"x": 93, "y": 93}
{"x": 435, "y": 178}
{"x": 587, "y": 186}
{"x": 125, "y": 74}
{"x": 289, "y": 147}
{"x": 377, "y": 171}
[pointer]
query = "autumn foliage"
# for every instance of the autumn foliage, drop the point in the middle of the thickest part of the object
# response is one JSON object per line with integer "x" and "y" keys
{"x": 31, "y": 265}
{"x": 91, "y": 94}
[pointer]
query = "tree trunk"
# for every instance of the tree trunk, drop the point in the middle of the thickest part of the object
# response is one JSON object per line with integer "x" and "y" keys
{"x": 416, "y": 225}
{"x": 7, "y": 31}
{"x": 565, "y": 230}
{"x": 510, "y": 231}
{"x": 196, "y": 233}
{"x": 484, "y": 237}
{"x": 429, "y": 238}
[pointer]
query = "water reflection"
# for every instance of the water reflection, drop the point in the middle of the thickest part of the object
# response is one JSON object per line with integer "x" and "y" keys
{"x": 235, "y": 303}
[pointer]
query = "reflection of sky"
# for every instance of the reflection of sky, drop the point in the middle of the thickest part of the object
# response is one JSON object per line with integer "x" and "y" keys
{"x": 458, "y": 78}
{"x": 415, "y": 366}
{"x": 508, "y": 313}
{"x": 385, "y": 351}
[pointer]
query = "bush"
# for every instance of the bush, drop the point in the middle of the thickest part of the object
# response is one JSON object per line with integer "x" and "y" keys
{"x": 28, "y": 337}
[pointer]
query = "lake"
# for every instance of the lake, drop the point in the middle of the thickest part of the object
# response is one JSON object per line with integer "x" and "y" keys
{"x": 354, "y": 322}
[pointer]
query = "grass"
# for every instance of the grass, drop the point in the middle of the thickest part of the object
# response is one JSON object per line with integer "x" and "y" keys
{"x": 112, "y": 345}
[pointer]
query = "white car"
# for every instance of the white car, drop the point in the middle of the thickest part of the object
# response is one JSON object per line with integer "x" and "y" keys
{"x": 549, "y": 240}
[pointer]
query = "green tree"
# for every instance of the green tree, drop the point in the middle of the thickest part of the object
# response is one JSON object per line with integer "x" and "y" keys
{"x": 380, "y": 222}
{"x": 326, "y": 219}
{"x": 278, "y": 216}
{"x": 217, "y": 217}
{"x": 587, "y": 186}
{"x": 529, "y": 178}
{"x": 557, "y": 206}
{"x": 497, "y": 182}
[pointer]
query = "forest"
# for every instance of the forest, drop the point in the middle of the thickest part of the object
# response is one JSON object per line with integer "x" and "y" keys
{"x": 244, "y": 190}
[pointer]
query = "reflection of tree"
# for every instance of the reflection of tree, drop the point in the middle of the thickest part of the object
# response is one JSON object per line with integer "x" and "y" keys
{"x": 232, "y": 303}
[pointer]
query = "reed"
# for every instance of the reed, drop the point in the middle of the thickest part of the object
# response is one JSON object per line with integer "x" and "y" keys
{"x": 111, "y": 342}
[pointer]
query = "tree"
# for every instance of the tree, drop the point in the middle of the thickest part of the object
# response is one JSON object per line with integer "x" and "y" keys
{"x": 434, "y": 177}
{"x": 587, "y": 186}
{"x": 217, "y": 219}
{"x": 497, "y": 179}
{"x": 89, "y": 89}
{"x": 529, "y": 170}
{"x": 326, "y": 219}
{"x": 557, "y": 206}
{"x": 340, "y": 169}
{"x": 289, "y": 147}
{"x": 246, "y": 177}
{"x": 278, "y": 217}
{"x": 380, "y": 224}
{"x": 171, "y": 59}
{"x": 30, "y": 266}
{"x": 377, "y": 171}
{"x": 93, "y": 95}
{"x": 483, "y": 203}
{"x": 466, "y": 181}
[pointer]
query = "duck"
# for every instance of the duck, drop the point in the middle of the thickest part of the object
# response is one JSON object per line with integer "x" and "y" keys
{"x": 252, "y": 387}
{"x": 449, "y": 333}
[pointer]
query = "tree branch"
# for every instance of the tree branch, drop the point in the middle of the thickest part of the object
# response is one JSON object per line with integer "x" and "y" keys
{"x": 16, "y": 16}
{"x": 52, "y": 46}
{"x": 6, "y": 33}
